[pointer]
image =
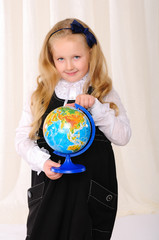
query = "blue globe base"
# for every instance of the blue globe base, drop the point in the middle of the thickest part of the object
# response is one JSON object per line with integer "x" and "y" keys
{"x": 69, "y": 167}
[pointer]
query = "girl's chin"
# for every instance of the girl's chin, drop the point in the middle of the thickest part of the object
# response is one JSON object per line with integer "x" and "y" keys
{"x": 72, "y": 77}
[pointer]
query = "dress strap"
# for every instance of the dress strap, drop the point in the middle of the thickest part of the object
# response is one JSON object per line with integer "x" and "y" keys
{"x": 90, "y": 90}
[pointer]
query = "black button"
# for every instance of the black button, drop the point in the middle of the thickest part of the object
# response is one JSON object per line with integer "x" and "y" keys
{"x": 109, "y": 198}
{"x": 29, "y": 194}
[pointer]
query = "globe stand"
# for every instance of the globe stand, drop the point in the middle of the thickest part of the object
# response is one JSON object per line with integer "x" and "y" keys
{"x": 68, "y": 166}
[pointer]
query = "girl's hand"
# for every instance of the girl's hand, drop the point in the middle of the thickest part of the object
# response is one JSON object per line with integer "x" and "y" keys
{"x": 85, "y": 100}
{"x": 47, "y": 169}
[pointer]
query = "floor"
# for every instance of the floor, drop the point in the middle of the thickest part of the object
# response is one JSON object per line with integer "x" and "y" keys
{"x": 144, "y": 227}
{"x": 141, "y": 227}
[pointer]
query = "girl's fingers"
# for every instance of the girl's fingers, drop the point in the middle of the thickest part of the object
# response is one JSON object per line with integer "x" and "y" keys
{"x": 55, "y": 176}
{"x": 49, "y": 173}
{"x": 70, "y": 105}
{"x": 85, "y": 100}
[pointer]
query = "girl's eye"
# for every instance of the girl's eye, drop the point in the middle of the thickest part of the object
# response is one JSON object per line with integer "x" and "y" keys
{"x": 60, "y": 59}
{"x": 76, "y": 57}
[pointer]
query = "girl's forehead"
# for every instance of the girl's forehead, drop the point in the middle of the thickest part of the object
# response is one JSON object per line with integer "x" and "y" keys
{"x": 71, "y": 39}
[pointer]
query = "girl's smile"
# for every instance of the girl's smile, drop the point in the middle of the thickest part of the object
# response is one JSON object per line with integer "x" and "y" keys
{"x": 71, "y": 57}
{"x": 71, "y": 73}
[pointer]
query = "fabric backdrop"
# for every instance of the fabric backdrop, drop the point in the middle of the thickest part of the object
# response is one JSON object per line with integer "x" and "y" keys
{"x": 129, "y": 34}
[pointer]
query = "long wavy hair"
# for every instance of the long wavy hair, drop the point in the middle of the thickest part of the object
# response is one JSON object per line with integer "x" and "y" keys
{"x": 49, "y": 77}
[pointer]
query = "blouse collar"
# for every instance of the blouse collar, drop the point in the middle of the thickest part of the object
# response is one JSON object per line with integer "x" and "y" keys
{"x": 70, "y": 90}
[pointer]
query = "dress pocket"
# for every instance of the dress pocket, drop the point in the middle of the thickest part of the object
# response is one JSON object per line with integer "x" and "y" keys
{"x": 35, "y": 195}
{"x": 102, "y": 206}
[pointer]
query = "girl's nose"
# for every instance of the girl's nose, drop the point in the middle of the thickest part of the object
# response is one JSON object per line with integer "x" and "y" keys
{"x": 69, "y": 65}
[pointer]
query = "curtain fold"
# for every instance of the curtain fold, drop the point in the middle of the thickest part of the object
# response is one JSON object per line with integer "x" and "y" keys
{"x": 134, "y": 59}
{"x": 128, "y": 32}
{"x": 11, "y": 78}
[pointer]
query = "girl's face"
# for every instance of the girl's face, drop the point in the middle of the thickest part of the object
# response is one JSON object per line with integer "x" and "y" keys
{"x": 71, "y": 57}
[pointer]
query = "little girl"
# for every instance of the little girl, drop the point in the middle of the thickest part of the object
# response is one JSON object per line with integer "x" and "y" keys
{"x": 78, "y": 206}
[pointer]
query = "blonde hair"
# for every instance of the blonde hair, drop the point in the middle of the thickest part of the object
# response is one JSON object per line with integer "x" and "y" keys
{"x": 49, "y": 77}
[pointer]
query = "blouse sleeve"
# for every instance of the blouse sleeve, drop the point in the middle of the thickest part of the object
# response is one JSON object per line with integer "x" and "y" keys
{"x": 115, "y": 128}
{"x": 27, "y": 148}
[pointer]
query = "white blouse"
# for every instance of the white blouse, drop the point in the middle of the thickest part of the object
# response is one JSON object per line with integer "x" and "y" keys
{"x": 115, "y": 128}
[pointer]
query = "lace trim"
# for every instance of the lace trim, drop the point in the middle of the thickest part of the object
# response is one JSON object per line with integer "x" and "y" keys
{"x": 68, "y": 90}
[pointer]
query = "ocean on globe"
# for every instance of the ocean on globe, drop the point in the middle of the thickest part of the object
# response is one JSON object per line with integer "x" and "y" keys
{"x": 67, "y": 130}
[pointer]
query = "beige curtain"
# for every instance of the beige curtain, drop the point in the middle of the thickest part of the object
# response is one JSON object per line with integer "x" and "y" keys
{"x": 129, "y": 34}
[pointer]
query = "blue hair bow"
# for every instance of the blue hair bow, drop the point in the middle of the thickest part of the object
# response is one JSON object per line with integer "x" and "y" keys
{"x": 78, "y": 28}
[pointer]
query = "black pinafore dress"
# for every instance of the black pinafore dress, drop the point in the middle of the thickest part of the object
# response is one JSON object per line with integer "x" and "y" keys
{"x": 79, "y": 206}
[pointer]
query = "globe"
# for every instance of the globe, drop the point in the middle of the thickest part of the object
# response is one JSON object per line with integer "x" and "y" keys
{"x": 67, "y": 130}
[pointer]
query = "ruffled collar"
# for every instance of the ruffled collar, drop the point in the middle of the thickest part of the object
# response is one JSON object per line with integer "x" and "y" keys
{"x": 68, "y": 90}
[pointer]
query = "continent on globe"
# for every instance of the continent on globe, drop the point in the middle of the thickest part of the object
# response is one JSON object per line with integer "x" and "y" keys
{"x": 67, "y": 130}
